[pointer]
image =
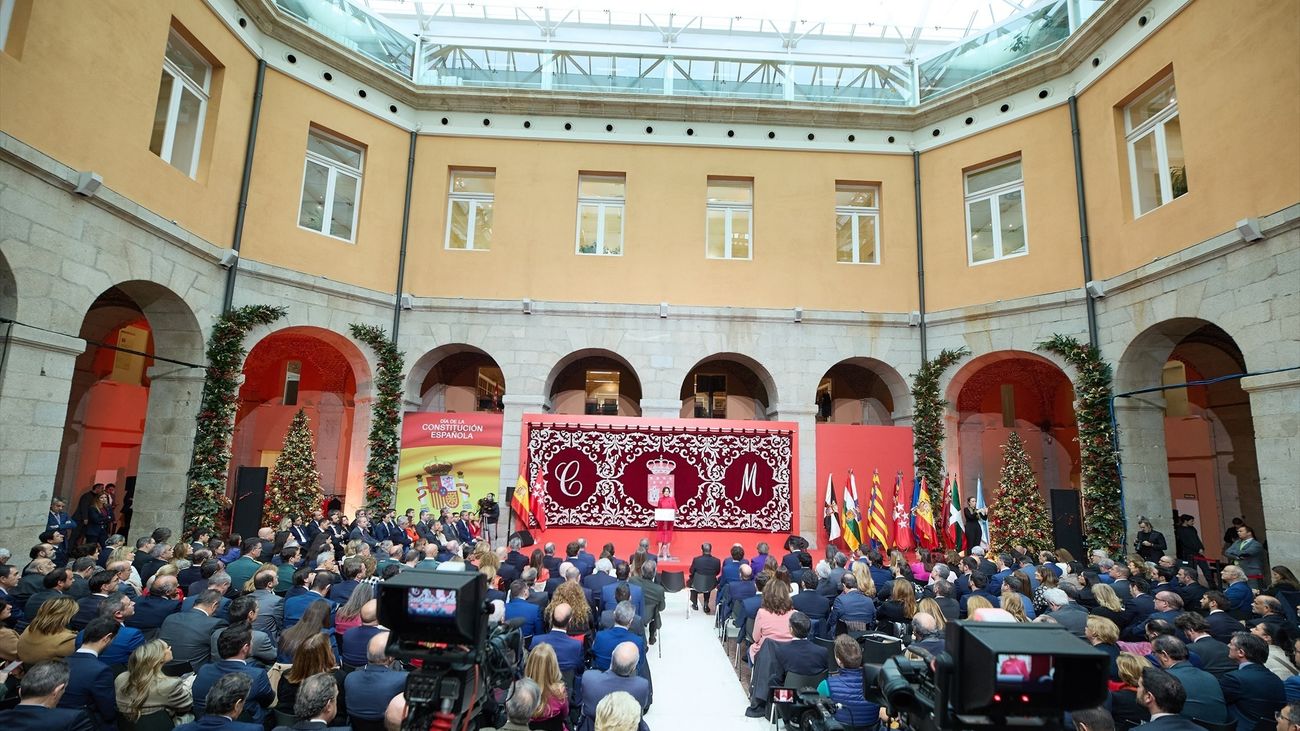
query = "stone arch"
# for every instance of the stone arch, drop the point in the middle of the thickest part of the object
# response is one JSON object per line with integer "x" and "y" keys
{"x": 884, "y": 397}
{"x": 759, "y": 381}
{"x": 630, "y": 390}
{"x": 419, "y": 373}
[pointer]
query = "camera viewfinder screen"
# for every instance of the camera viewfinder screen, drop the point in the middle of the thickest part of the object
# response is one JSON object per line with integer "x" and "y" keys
{"x": 1026, "y": 673}
{"x": 431, "y": 604}
{"x": 783, "y": 695}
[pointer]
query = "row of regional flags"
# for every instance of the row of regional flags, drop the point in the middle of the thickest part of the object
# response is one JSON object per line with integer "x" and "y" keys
{"x": 912, "y": 523}
{"x": 527, "y": 501}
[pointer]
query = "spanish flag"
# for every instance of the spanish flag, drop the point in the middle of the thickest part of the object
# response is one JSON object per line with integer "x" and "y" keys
{"x": 924, "y": 514}
{"x": 520, "y": 502}
{"x": 877, "y": 525}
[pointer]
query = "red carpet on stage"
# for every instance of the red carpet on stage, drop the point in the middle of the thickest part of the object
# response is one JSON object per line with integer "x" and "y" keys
{"x": 686, "y": 544}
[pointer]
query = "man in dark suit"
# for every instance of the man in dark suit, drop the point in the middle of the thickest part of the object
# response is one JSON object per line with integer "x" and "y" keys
{"x": 1204, "y": 696}
{"x": 943, "y": 596}
{"x": 621, "y": 576}
{"x": 1163, "y": 697}
{"x": 370, "y": 688}
{"x": 731, "y": 567}
{"x": 102, "y": 583}
{"x": 190, "y": 632}
{"x": 90, "y": 681}
{"x": 219, "y": 582}
{"x": 1253, "y": 692}
{"x": 961, "y": 585}
{"x": 154, "y": 609}
{"x": 41, "y": 690}
{"x": 520, "y": 608}
{"x": 652, "y": 592}
{"x": 585, "y": 560}
{"x": 608, "y": 639}
{"x": 1065, "y": 612}
{"x": 351, "y": 572}
{"x": 1213, "y": 654}
{"x": 319, "y": 592}
{"x": 224, "y": 704}
{"x": 234, "y": 645}
{"x": 55, "y": 584}
{"x": 516, "y": 557}
{"x": 1222, "y": 625}
{"x": 119, "y": 607}
{"x": 1168, "y": 607}
{"x": 749, "y": 607}
{"x": 316, "y": 704}
{"x": 363, "y": 533}
{"x": 550, "y": 561}
{"x": 739, "y": 590}
{"x": 249, "y": 561}
{"x": 800, "y": 655}
{"x": 599, "y": 579}
{"x": 809, "y": 600}
{"x": 622, "y": 675}
{"x": 705, "y": 564}
{"x": 270, "y": 605}
{"x": 1268, "y": 610}
{"x": 979, "y": 582}
{"x": 1004, "y": 569}
{"x": 621, "y": 594}
{"x": 850, "y": 606}
{"x": 568, "y": 650}
{"x": 1189, "y": 588}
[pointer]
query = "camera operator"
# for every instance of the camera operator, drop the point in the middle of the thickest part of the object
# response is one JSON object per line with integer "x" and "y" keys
{"x": 844, "y": 688}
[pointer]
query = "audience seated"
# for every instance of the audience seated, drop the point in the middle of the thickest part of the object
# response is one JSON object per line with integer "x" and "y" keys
{"x": 844, "y": 687}
{"x": 372, "y": 686}
{"x": 189, "y": 633}
{"x": 90, "y": 679}
{"x": 543, "y": 669}
{"x": 144, "y": 689}
{"x": 224, "y": 705}
{"x": 42, "y": 688}
{"x": 234, "y": 645}
{"x": 317, "y": 705}
{"x": 621, "y": 676}
{"x": 48, "y": 636}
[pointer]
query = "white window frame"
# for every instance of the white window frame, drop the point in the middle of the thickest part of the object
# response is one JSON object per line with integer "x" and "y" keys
{"x": 201, "y": 89}
{"x": 475, "y": 200}
{"x": 1155, "y": 126}
{"x": 992, "y": 195}
{"x": 729, "y": 208}
{"x": 854, "y": 212}
{"x": 333, "y": 169}
{"x": 602, "y": 204}
{"x": 7, "y": 8}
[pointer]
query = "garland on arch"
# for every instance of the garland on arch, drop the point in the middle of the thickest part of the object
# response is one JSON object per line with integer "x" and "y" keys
{"x": 927, "y": 421}
{"x": 209, "y": 470}
{"x": 1103, "y": 512}
{"x": 385, "y": 418}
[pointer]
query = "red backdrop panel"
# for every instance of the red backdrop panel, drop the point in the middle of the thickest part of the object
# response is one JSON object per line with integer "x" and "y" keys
{"x": 841, "y": 447}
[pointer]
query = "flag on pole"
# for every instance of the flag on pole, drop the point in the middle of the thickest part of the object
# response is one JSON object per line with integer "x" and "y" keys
{"x": 902, "y": 528}
{"x": 923, "y": 514}
{"x": 877, "y": 525}
{"x": 520, "y": 502}
{"x": 537, "y": 505}
{"x": 832, "y": 512}
{"x": 955, "y": 533}
{"x": 852, "y": 533}
{"x": 979, "y": 505}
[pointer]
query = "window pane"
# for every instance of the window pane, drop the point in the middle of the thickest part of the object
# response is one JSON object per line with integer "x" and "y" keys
{"x": 717, "y": 233}
{"x": 866, "y": 239}
{"x": 185, "y": 145}
{"x": 483, "y": 225}
{"x": 459, "y": 230}
{"x": 740, "y": 234}
{"x": 336, "y": 151}
{"x": 587, "y": 223}
{"x": 855, "y": 195}
{"x": 160, "y": 114}
{"x": 730, "y": 191}
{"x": 980, "y": 214}
{"x": 1151, "y": 103}
{"x": 592, "y": 186}
{"x": 312, "y": 210}
{"x": 1148, "y": 176}
{"x": 472, "y": 181}
{"x": 844, "y": 238}
{"x": 613, "y": 229}
{"x": 993, "y": 177}
{"x": 189, "y": 62}
{"x": 1011, "y": 217}
{"x": 345, "y": 201}
{"x": 1174, "y": 150}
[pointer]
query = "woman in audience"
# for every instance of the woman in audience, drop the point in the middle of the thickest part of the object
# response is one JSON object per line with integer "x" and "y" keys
{"x": 1103, "y": 634}
{"x": 1024, "y": 587}
{"x": 1109, "y": 605}
{"x": 48, "y": 636}
{"x": 1275, "y": 635}
{"x": 544, "y": 669}
{"x": 1014, "y": 605}
{"x": 181, "y": 556}
{"x": 313, "y": 656}
{"x": 862, "y": 573}
{"x": 314, "y": 622}
{"x": 144, "y": 689}
{"x": 1064, "y": 559}
{"x": 845, "y": 688}
{"x": 8, "y": 637}
{"x": 931, "y": 607}
{"x": 349, "y": 615}
{"x": 1046, "y": 580}
{"x": 1282, "y": 580}
{"x": 773, "y": 618}
{"x": 901, "y": 605}
{"x": 571, "y": 594}
{"x": 976, "y": 602}
{"x": 1127, "y": 711}
{"x": 538, "y": 561}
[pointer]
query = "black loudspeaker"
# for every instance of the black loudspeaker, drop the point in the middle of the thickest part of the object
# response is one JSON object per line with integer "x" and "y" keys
{"x": 1067, "y": 523}
{"x": 525, "y": 538}
{"x": 250, "y": 494}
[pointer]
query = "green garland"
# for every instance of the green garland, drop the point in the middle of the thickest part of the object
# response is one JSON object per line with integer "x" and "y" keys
{"x": 1103, "y": 511}
{"x": 927, "y": 424}
{"x": 385, "y": 418}
{"x": 210, "y": 461}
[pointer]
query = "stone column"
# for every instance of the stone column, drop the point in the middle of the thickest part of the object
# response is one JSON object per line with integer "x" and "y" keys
{"x": 1275, "y": 409}
{"x": 810, "y": 513}
{"x": 661, "y": 408}
{"x": 1145, "y": 464}
{"x": 512, "y": 429}
{"x": 161, "y": 482}
{"x": 36, "y": 370}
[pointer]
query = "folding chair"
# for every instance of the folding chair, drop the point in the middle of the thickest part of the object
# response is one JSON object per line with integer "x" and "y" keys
{"x": 673, "y": 582}
{"x": 703, "y": 585}
{"x": 744, "y": 640}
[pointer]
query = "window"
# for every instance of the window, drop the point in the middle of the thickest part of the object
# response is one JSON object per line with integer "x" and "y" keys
{"x": 730, "y": 219}
{"x": 469, "y": 209}
{"x": 331, "y": 186}
{"x": 602, "y": 393}
{"x": 857, "y": 223}
{"x": 489, "y": 388}
{"x": 292, "y": 377}
{"x": 995, "y": 212}
{"x": 182, "y": 105}
{"x": 1157, "y": 170}
{"x": 710, "y": 396}
{"x": 600, "y": 214}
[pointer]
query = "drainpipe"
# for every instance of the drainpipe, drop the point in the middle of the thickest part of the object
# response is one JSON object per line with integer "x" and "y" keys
{"x": 244, "y": 182}
{"x": 1084, "y": 242}
{"x": 920, "y": 252}
{"x": 406, "y": 223}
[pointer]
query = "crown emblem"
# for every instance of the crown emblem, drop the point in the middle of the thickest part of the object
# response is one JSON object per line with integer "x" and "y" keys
{"x": 438, "y": 469}
{"x": 661, "y": 466}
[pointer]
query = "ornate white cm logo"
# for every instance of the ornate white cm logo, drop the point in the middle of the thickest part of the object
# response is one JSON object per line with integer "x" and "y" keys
{"x": 748, "y": 481}
{"x": 566, "y": 473}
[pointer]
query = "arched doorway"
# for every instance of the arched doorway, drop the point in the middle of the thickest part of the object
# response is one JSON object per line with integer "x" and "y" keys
{"x": 1206, "y": 432}
{"x": 1006, "y": 391}
{"x": 456, "y": 378}
{"x": 728, "y": 386}
{"x": 594, "y": 382}
{"x": 315, "y": 370}
{"x": 860, "y": 391}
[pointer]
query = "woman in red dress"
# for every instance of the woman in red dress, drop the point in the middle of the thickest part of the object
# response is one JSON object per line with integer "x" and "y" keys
{"x": 665, "y": 527}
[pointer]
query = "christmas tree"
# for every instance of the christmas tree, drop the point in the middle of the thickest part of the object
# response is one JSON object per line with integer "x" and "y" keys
{"x": 295, "y": 482}
{"x": 1018, "y": 515}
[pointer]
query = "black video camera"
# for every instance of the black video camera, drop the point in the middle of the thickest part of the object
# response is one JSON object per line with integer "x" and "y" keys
{"x": 804, "y": 709}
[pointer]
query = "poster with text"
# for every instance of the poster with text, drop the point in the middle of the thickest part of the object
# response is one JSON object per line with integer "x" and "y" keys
{"x": 448, "y": 460}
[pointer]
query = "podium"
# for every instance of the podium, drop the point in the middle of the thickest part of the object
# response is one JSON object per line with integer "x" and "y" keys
{"x": 665, "y": 515}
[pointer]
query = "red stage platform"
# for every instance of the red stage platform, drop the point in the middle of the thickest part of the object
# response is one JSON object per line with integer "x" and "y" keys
{"x": 686, "y": 544}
